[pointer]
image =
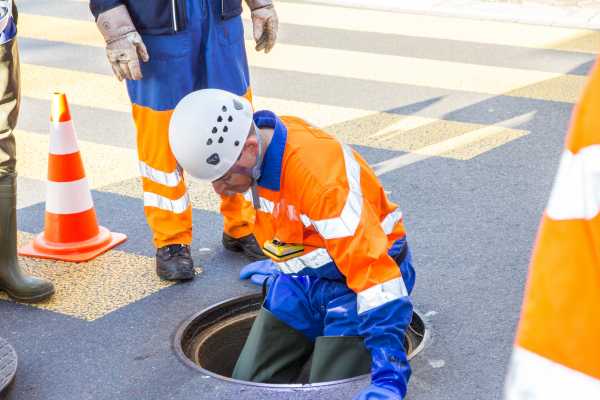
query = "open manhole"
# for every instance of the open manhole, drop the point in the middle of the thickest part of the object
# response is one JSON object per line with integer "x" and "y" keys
{"x": 8, "y": 367}
{"x": 212, "y": 339}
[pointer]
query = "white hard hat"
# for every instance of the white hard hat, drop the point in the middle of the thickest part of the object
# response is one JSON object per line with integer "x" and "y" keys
{"x": 208, "y": 130}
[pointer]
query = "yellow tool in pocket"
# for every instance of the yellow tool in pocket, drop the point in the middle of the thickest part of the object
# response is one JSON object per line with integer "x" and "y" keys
{"x": 282, "y": 251}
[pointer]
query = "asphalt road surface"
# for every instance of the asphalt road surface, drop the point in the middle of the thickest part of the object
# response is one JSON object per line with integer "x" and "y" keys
{"x": 463, "y": 120}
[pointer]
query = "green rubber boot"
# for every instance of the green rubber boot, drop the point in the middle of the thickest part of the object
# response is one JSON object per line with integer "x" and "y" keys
{"x": 339, "y": 357}
{"x": 273, "y": 353}
{"x": 13, "y": 280}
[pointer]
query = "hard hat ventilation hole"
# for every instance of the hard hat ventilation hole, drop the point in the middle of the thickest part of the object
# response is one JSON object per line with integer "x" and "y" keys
{"x": 214, "y": 129}
{"x": 237, "y": 143}
{"x": 224, "y": 109}
{"x": 225, "y": 128}
{"x": 220, "y": 119}
{"x": 213, "y": 159}
{"x": 209, "y": 142}
{"x": 221, "y": 139}
{"x": 230, "y": 119}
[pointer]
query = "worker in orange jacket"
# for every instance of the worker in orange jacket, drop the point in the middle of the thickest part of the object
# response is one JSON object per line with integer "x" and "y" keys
{"x": 343, "y": 275}
{"x": 562, "y": 299}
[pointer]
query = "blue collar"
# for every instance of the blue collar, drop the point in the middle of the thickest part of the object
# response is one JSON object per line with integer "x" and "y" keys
{"x": 270, "y": 171}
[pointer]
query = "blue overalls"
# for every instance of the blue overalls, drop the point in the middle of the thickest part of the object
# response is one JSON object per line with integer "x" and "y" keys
{"x": 208, "y": 53}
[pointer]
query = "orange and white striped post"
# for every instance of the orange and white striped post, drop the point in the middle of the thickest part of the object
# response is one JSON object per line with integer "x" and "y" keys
{"x": 71, "y": 231}
{"x": 557, "y": 348}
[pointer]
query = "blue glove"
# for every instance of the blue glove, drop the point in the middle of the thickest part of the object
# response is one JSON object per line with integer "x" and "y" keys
{"x": 390, "y": 371}
{"x": 377, "y": 393}
{"x": 383, "y": 329}
{"x": 258, "y": 271}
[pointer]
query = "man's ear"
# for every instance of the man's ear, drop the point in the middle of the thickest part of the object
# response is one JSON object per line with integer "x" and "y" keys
{"x": 249, "y": 152}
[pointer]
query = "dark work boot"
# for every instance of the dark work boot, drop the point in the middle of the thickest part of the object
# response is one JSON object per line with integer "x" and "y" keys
{"x": 174, "y": 263}
{"x": 13, "y": 280}
{"x": 246, "y": 244}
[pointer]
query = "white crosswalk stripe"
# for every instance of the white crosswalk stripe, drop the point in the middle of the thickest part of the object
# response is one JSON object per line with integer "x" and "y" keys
{"x": 416, "y": 136}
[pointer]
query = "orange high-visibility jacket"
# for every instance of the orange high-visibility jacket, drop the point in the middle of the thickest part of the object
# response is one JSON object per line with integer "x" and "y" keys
{"x": 557, "y": 348}
{"x": 318, "y": 192}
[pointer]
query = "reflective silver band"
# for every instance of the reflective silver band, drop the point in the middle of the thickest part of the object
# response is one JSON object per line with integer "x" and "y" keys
{"x": 345, "y": 225}
{"x": 390, "y": 221}
{"x": 315, "y": 259}
{"x": 170, "y": 179}
{"x": 378, "y": 295}
{"x": 175, "y": 206}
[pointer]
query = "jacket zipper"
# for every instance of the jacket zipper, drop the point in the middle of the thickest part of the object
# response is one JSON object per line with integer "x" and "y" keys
{"x": 175, "y": 24}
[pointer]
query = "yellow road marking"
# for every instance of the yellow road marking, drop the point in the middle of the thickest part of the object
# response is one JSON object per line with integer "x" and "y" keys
{"x": 407, "y": 133}
{"x": 104, "y": 91}
{"x": 59, "y": 29}
{"x": 82, "y": 88}
{"x": 488, "y": 32}
{"x": 465, "y": 146}
{"x": 425, "y": 136}
{"x": 360, "y": 65}
{"x": 93, "y": 289}
{"x": 468, "y": 30}
{"x": 437, "y": 27}
{"x": 419, "y": 135}
{"x": 321, "y": 115}
{"x": 356, "y": 126}
{"x": 420, "y": 72}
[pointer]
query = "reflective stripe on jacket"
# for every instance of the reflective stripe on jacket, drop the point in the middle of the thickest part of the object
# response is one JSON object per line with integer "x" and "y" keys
{"x": 316, "y": 191}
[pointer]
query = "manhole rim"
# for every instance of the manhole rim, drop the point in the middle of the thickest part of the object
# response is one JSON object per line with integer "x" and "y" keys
{"x": 187, "y": 323}
{"x": 7, "y": 386}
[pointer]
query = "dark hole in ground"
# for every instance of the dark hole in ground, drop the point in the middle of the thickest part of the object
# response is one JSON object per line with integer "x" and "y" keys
{"x": 213, "y": 338}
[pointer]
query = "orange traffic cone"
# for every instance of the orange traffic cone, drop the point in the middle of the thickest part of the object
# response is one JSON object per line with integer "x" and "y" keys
{"x": 556, "y": 352}
{"x": 71, "y": 232}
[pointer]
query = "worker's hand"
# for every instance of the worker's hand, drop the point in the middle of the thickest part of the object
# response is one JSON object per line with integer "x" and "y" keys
{"x": 265, "y": 25}
{"x": 124, "y": 45}
{"x": 258, "y": 271}
{"x": 373, "y": 392}
{"x": 124, "y": 56}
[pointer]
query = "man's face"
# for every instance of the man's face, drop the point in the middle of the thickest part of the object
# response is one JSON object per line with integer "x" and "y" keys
{"x": 232, "y": 183}
{"x": 238, "y": 179}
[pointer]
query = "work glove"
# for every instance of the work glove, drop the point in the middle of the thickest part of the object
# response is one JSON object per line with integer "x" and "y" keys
{"x": 259, "y": 271}
{"x": 265, "y": 23}
{"x": 383, "y": 328}
{"x": 124, "y": 45}
{"x": 389, "y": 375}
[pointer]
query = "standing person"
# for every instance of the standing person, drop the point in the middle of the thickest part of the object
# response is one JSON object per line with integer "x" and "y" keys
{"x": 344, "y": 269}
{"x": 562, "y": 296}
{"x": 184, "y": 45}
{"x": 13, "y": 280}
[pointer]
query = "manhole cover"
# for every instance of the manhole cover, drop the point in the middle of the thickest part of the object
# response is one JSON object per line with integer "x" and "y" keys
{"x": 8, "y": 367}
{"x": 212, "y": 340}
